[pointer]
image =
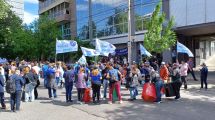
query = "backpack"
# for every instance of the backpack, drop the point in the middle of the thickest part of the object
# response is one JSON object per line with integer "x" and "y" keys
{"x": 11, "y": 86}
{"x": 114, "y": 77}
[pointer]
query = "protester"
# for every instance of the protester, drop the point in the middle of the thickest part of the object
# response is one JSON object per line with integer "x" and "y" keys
{"x": 155, "y": 77}
{"x": 204, "y": 75}
{"x": 114, "y": 76}
{"x": 2, "y": 92}
{"x": 164, "y": 73}
{"x": 51, "y": 84}
{"x": 36, "y": 78}
{"x": 96, "y": 78}
{"x": 135, "y": 75}
{"x": 58, "y": 73}
{"x": 30, "y": 84}
{"x": 183, "y": 73}
{"x": 105, "y": 81}
{"x": 69, "y": 76}
{"x": 81, "y": 84}
{"x": 45, "y": 73}
{"x": 190, "y": 70}
{"x": 15, "y": 98}
{"x": 176, "y": 80}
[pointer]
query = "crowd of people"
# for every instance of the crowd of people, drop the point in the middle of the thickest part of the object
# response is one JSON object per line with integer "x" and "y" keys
{"x": 107, "y": 75}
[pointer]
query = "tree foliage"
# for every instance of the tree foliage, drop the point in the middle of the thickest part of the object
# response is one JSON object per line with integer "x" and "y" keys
{"x": 4, "y": 8}
{"x": 159, "y": 37}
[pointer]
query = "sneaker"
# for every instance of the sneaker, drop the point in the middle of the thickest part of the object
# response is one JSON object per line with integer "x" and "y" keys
{"x": 177, "y": 98}
{"x": 120, "y": 102}
{"x": 110, "y": 102}
{"x": 196, "y": 80}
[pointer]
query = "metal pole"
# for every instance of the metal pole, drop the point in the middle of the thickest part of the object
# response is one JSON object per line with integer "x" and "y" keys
{"x": 131, "y": 29}
{"x": 90, "y": 21}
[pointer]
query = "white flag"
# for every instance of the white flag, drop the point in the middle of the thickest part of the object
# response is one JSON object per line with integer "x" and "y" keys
{"x": 183, "y": 49}
{"x": 105, "y": 48}
{"x": 82, "y": 60}
{"x": 89, "y": 52}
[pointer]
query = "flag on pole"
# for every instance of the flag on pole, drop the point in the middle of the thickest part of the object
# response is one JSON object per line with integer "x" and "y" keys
{"x": 64, "y": 46}
{"x": 183, "y": 49}
{"x": 143, "y": 51}
{"x": 89, "y": 52}
{"x": 105, "y": 48}
{"x": 82, "y": 60}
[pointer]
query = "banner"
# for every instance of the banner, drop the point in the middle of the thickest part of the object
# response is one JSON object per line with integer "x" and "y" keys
{"x": 89, "y": 52}
{"x": 82, "y": 60}
{"x": 64, "y": 46}
{"x": 183, "y": 49}
{"x": 105, "y": 48}
{"x": 123, "y": 51}
{"x": 143, "y": 51}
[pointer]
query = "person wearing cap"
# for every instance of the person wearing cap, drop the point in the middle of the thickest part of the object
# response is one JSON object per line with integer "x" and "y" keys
{"x": 164, "y": 73}
{"x": 176, "y": 80}
{"x": 204, "y": 75}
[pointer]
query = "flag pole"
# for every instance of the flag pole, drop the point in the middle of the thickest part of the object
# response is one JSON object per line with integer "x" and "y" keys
{"x": 56, "y": 52}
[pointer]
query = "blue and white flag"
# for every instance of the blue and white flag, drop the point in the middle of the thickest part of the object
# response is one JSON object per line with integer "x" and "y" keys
{"x": 183, "y": 49}
{"x": 3, "y": 60}
{"x": 105, "y": 48}
{"x": 143, "y": 51}
{"x": 89, "y": 52}
{"x": 82, "y": 60}
{"x": 64, "y": 46}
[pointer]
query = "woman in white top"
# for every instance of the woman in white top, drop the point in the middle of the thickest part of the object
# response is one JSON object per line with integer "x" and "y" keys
{"x": 183, "y": 73}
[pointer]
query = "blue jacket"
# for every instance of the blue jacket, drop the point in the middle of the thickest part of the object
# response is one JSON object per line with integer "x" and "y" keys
{"x": 1, "y": 84}
{"x": 69, "y": 77}
{"x": 204, "y": 73}
{"x": 19, "y": 81}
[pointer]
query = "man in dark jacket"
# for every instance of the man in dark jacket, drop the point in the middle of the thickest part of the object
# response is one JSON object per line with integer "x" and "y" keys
{"x": 69, "y": 77}
{"x": 15, "y": 98}
{"x": 204, "y": 75}
{"x": 2, "y": 92}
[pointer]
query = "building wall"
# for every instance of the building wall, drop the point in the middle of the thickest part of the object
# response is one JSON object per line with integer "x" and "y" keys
{"x": 17, "y": 7}
{"x": 192, "y": 12}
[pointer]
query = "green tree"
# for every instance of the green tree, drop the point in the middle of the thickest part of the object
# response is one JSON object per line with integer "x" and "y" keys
{"x": 4, "y": 8}
{"x": 10, "y": 25}
{"x": 159, "y": 37}
{"x": 45, "y": 33}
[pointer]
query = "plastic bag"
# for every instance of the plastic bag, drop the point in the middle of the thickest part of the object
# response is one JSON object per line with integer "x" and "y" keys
{"x": 87, "y": 97}
{"x": 149, "y": 92}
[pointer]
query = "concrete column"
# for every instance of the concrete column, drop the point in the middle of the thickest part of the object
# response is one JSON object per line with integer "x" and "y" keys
{"x": 73, "y": 17}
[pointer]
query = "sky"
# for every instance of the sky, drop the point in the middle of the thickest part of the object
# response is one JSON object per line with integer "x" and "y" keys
{"x": 30, "y": 10}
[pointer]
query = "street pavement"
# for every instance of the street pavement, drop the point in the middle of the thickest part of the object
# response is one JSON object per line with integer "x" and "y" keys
{"x": 195, "y": 104}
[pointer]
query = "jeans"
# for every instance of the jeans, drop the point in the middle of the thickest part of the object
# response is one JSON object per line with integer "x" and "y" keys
{"x": 204, "y": 80}
{"x": 45, "y": 81}
{"x": 2, "y": 100}
{"x": 69, "y": 92}
{"x": 105, "y": 84}
{"x": 80, "y": 93}
{"x": 96, "y": 91}
{"x": 29, "y": 93}
{"x": 116, "y": 86}
{"x": 158, "y": 85}
{"x": 133, "y": 92}
{"x": 51, "y": 94}
{"x": 15, "y": 99}
{"x": 57, "y": 80}
{"x": 183, "y": 79}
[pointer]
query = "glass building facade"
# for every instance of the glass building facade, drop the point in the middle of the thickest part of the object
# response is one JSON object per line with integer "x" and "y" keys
{"x": 17, "y": 6}
{"x": 110, "y": 17}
